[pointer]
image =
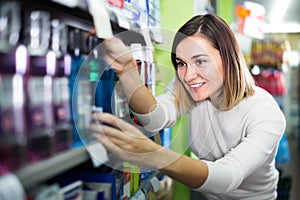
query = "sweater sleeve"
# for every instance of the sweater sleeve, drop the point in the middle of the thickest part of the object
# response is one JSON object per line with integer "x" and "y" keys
{"x": 265, "y": 126}
{"x": 163, "y": 116}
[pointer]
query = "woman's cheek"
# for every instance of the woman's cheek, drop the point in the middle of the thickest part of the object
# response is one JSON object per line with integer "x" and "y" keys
{"x": 181, "y": 73}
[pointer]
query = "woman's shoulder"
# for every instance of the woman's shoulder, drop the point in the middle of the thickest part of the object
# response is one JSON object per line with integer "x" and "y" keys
{"x": 262, "y": 103}
{"x": 261, "y": 96}
{"x": 262, "y": 106}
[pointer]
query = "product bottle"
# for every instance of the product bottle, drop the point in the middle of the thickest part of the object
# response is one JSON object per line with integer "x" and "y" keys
{"x": 150, "y": 71}
{"x": 42, "y": 63}
{"x": 61, "y": 93}
{"x": 137, "y": 52}
{"x": 101, "y": 77}
{"x": 80, "y": 96}
{"x": 93, "y": 65}
{"x": 13, "y": 146}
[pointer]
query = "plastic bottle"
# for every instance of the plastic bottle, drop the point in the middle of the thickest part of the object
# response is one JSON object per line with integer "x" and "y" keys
{"x": 42, "y": 62}
{"x": 13, "y": 146}
{"x": 101, "y": 77}
{"x": 61, "y": 93}
{"x": 150, "y": 70}
{"x": 80, "y": 96}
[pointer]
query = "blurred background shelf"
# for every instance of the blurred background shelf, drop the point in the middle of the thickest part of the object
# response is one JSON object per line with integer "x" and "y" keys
{"x": 36, "y": 173}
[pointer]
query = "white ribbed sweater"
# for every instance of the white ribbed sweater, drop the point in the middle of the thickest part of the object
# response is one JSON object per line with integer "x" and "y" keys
{"x": 239, "y": 145}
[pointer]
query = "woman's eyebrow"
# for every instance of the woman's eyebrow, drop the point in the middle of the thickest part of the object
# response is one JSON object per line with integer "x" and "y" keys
{"x": 178, "y": 59}
{"x": 198, "y": 55}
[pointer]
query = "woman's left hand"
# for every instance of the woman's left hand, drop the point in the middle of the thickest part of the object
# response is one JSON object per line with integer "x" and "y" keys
{"x": 125, "y": 140}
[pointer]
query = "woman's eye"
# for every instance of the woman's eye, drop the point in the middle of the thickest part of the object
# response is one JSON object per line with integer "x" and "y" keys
{"x": 200, "y": 62}
{"x": 180, "y": 64}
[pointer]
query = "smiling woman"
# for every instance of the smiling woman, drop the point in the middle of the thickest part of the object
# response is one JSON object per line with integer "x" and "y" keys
{"x": 216, "y": 39}
{"x": 235, "y": 126}
{"x": 200, "y": 69}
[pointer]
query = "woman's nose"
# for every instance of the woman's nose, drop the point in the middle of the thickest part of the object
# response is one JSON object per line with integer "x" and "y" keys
{"x": 190, "y": 74}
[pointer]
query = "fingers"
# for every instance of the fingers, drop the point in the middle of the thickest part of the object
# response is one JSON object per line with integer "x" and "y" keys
{"x": 123, "y": 140}
{"x": 107, "y": 118}
{"x": 113, "y": 44}
{"x": 117, "y": 136}
{"x": 118, "y": 55}
{"x": 115, "y": 140}
{"x": 107, "y": 143}
{"x": 120, "y": 133}
{"x": 111, "y": 120}
{"x": 117, "y": 50}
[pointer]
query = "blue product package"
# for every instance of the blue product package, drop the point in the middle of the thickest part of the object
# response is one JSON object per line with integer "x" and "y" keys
{"x": 166, "y": 137}
{"x": 102, "y": 183}
{"x": 103, "y": 87}
{"x": 72, "y": 191}
{"x": 107, "y": 80}
{"x": 99, "y": 96}
{"x": 76, "y": 63}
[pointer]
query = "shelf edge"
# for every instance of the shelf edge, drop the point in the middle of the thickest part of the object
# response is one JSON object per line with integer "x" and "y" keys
{"x": 35, "y": 173}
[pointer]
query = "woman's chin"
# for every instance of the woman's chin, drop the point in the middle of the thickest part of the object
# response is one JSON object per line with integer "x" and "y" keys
{"x": 198, "y": 98}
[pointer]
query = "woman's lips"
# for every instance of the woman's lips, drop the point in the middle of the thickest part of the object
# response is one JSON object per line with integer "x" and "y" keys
{"x": 196, "y": 85}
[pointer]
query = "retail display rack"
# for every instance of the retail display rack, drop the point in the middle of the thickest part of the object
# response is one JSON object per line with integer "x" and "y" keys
{"x": 79, "y": 17}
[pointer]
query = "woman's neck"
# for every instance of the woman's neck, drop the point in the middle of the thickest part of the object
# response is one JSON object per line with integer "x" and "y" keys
{"x": 218, "y": 98}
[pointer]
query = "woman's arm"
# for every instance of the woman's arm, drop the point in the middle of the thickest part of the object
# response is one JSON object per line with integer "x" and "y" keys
{"x": 249, "y": 158}
{"x": 128, "y": 142}
{"x": 120, "y": 58}
{"x": 192, "y": 173}
{"x": 131, "y": 145}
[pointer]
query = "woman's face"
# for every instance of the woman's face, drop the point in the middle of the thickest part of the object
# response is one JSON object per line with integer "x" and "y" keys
{"x": 199, "y": 67}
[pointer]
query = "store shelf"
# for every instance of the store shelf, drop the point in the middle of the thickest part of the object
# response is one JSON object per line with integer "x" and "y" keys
{"x": 36, "y": 173}
{"x": 75, "y": 17}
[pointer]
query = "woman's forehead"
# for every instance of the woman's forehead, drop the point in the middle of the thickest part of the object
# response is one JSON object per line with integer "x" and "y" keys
{"x": 192, "y": 45}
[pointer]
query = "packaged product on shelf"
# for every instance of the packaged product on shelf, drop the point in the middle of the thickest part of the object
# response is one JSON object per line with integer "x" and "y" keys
{"x": 94, "y": 184}
{"x": 151, "y": 187}
{"x": 61, "y": 93}
{"x": 42, "y": 192}
{"x": 134, "y": 180}
{"x": 154, "y": 23}
{"x": 73, "y": 190}
{"x": 139, "y": 195}
{"x": 166, "y": 137}
{"x": 10, "y": 15}
{"x": 126, "y": 185}
{"x": 39, "y": 82}
{"x": 121, "y": 108}
{"x": 80, "y": 96}
{"x": 98, "y": 10}
{"x": 150, "y": 73}
{"x": 101, "y": 77}
{"x": 13, "y": 131}
{"x": 136, "y": 13}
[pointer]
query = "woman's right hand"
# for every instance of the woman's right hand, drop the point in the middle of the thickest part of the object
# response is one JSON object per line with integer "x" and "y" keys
{"x": 118, "y": 56}
{"x": 121, "y": 59}
{"x": 126, "y": 141}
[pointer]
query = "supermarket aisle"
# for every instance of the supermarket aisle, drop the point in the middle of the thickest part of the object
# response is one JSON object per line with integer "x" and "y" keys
{"x": 293, "y": 169}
